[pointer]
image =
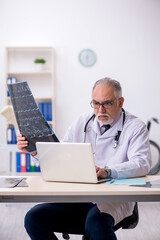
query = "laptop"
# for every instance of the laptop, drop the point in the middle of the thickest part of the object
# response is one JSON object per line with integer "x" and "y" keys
{"x": 67, "y": 162}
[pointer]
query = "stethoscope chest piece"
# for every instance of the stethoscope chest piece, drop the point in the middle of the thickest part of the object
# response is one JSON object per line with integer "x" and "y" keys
{"x": 115, "y": 144}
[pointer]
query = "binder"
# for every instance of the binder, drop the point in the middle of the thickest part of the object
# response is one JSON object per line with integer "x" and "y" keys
{"x": 40, "y": 106}
{"x": 46, "y": 110}
{"x": 9, "y": 81}
{"x": 49, "y": 111}
{"x": 13, "y": 80}
{"x": 23, "y": 162}
{"x": 14, "y": 137}
{"x": 28, "y": 162}
{"x": 32, "y": 164}
{"x": 37, "y": 167}
{"x": 18, "y": 162}
{"x": 9, "y": 135}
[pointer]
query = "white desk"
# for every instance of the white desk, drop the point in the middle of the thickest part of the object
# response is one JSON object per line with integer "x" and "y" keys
{"x": 40, "y": 191}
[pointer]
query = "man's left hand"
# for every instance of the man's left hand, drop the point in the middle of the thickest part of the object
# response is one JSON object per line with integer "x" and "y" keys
{"x": 101, "y": 173}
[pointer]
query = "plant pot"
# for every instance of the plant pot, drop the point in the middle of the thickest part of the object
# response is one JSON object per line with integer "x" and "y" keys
{"x": 39, "y": 67}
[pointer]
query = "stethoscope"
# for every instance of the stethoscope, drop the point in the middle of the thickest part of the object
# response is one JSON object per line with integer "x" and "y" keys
{"x": 117, "y": 136}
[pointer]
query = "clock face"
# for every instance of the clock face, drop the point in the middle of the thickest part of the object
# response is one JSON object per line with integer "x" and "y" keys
{"x": 87, "y": 57}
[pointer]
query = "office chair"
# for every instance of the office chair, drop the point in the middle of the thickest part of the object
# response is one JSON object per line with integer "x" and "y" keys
{"x": 155, "y": 152}
{"x": 127, "y": 223}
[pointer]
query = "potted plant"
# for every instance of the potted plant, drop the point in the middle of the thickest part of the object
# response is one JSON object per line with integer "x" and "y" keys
{"x": 39, "y": 63}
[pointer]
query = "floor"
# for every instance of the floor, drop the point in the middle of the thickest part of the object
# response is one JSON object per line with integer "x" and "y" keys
{"x": 12, "y": 216}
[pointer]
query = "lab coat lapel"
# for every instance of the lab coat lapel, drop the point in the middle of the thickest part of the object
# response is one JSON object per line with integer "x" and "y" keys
{"x": 109, "y": 133}
{"x": 96, "y": 127}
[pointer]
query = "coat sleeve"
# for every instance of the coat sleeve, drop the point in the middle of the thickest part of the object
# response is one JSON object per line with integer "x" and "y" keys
{"x": 68, "y": 136}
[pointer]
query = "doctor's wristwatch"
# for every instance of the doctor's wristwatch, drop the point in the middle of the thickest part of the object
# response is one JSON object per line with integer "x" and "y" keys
{"x": 108, "y": 171}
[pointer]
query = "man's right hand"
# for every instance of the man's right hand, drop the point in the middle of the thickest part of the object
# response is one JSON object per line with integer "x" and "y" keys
{"x": 22, "y": 143}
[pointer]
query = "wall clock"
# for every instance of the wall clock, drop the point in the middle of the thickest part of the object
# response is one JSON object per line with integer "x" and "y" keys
{"x": 87, "y": 57}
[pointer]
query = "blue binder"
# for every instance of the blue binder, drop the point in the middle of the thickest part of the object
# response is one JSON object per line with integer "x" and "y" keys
{"x": 18, "y": 160}
{"x": 28, "y": 162}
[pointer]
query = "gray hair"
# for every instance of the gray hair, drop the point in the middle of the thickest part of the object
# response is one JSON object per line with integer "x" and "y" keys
{"x": 109, "y": 82}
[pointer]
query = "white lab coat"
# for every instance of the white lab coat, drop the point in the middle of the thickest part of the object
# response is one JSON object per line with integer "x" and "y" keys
{"x": 131, "y": 158}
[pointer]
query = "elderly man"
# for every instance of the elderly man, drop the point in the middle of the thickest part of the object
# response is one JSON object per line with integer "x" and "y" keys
{"x": 121, "y": 147}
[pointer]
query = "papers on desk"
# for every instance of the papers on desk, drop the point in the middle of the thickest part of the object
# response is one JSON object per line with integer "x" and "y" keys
{"x": 128, "y": 181}
{"x": 10, "y": 182}
{"x": 135, "y": 182}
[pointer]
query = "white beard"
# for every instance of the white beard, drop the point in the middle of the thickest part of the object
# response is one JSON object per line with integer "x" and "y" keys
{"x": 109, "y": 121}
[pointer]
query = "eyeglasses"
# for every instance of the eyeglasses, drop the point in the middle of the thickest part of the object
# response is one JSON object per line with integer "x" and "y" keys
{"x": 107, "y": 104}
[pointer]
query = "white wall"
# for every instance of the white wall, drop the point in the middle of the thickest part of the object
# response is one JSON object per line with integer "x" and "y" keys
{"x": 124, "y": 34}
